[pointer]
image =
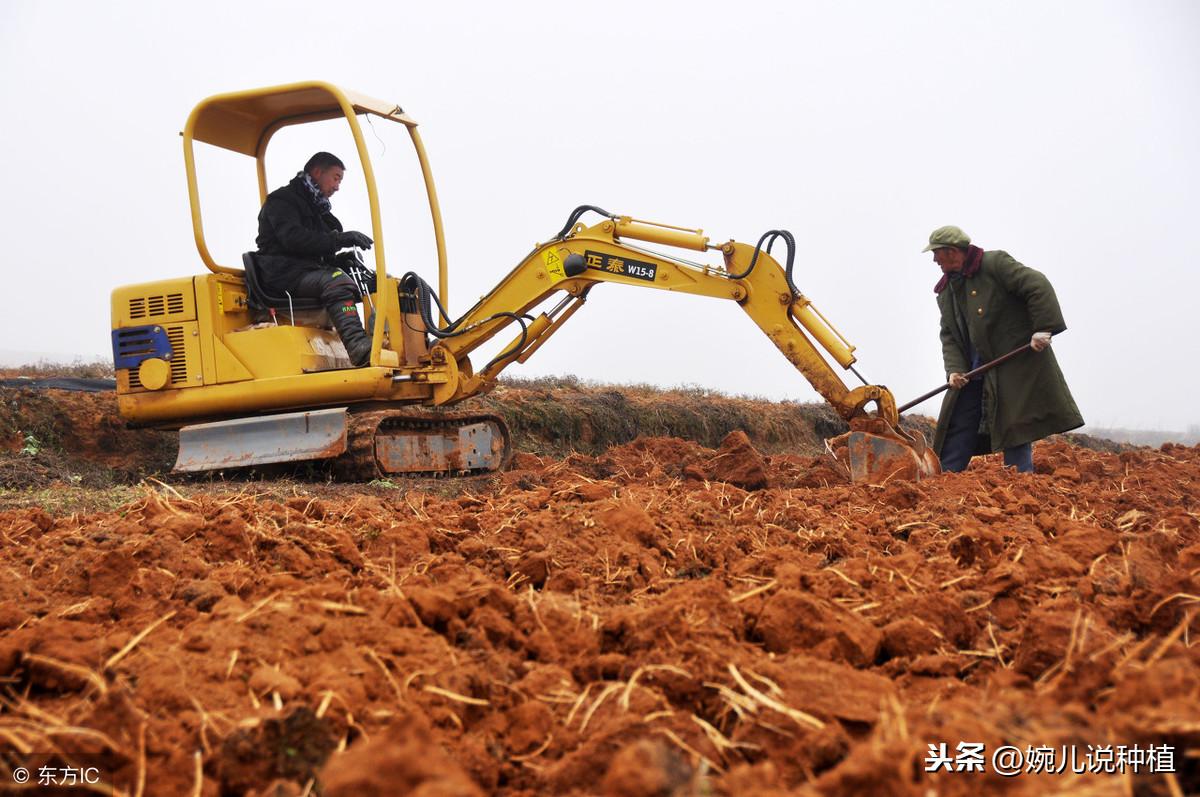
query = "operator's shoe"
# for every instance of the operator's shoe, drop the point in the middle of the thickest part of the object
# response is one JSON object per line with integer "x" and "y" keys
{"x": 350, "y": 330}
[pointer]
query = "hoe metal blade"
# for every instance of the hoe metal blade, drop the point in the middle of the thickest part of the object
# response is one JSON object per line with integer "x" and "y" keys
{"x": 291, "y": 437}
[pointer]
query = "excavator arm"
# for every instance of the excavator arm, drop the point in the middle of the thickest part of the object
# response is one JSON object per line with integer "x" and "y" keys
{"x": 581, "y": 257}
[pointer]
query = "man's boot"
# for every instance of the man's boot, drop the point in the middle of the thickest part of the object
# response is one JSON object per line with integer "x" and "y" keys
{"x": 350, "y": 330}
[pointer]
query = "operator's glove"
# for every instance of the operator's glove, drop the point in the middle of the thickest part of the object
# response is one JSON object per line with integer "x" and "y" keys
{"x": 1040, "y": 341}
{"x": 958, "y": 381}
{"x": 355, "y": 239}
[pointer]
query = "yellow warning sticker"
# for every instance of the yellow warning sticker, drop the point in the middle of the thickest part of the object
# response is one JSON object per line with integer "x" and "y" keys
{"x": 554, "y": 266}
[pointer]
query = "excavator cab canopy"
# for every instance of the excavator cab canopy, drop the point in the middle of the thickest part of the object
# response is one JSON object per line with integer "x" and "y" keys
{"x": 245, "y": 121}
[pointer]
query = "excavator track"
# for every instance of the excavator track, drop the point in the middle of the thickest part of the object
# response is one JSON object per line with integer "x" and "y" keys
{"x": 406, "y": 443}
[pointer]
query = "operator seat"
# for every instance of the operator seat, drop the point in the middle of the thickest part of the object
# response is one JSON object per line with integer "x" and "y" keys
{"x": 300, "y": 310}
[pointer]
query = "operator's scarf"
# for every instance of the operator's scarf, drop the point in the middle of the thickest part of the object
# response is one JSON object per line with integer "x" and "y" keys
{"x": 970, "y": 268}
{"x": 322, "y": 201}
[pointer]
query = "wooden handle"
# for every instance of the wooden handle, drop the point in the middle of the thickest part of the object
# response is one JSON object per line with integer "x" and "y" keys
{"x": 970, "y": 374}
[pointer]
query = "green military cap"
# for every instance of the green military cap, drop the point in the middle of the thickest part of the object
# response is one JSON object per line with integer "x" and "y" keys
{"x": 947, "y": 236}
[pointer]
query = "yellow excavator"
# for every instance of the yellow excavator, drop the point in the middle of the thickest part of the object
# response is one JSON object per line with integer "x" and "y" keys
{"x": 250, "y": 379}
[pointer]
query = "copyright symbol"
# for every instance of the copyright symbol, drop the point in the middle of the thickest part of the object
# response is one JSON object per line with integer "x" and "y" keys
{"x": 21, "y": 775}
{"x": 1008, "y": 761}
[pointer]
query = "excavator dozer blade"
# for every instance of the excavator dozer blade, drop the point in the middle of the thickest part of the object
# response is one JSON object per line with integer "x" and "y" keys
{"x": 876, "y": 453}
{"x": 290, "y": 437}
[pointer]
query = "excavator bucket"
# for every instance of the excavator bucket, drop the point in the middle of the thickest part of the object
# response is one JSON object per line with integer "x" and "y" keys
{"x": 875, "y": 452}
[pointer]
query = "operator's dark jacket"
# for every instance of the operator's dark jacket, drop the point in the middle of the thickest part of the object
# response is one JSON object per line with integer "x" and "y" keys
{"x": 293, "y": 233}
{"x": 1003, "y": 304}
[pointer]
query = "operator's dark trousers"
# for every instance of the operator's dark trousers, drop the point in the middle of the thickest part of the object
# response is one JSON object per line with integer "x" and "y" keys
{"x": 318, "y": 283}
{"x": 962, "y": 435}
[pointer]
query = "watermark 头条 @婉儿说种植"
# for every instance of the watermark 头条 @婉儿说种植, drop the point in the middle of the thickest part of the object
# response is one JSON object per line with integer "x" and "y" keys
{"x": 1010, "y": 761}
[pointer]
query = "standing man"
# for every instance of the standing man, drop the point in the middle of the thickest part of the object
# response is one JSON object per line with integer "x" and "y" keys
{"x": 991, "y": 304}
{"x": 298, "y": 236}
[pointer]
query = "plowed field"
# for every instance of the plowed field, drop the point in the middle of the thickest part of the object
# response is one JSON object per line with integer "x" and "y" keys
{"x": 654, "y": 619}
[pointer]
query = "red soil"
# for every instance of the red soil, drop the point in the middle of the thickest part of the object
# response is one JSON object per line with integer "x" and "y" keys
{"x": 662, "y": 619}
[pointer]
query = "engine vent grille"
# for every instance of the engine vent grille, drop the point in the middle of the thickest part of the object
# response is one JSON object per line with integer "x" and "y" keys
{"x": 147, "y": 306}
{"x": 178, "y": 357}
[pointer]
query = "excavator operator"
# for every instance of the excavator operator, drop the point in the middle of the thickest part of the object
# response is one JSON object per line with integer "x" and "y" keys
{"x": 298, "y": 238}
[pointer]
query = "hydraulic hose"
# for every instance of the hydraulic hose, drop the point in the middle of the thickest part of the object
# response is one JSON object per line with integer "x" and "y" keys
{"x": 768, "y": 238}
{"x": 576, "y": 214}
{"x": 424, "y": 295}
{"x": 412, "y": 284}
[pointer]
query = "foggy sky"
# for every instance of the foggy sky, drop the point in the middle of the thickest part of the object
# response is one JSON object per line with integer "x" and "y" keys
{"x": 1062, "y": 132}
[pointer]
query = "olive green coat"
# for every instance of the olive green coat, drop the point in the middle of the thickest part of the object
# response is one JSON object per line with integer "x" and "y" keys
{"x": 1026, "y": 398}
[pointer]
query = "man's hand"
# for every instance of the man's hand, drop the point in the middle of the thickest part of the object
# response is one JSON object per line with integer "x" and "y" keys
{"x": 1040, "y": 341}
{"x": 958, "y": 381}
{"x": 355, "y": 239}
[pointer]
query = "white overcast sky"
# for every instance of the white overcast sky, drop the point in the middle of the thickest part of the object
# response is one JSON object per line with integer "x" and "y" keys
{"x": 1067, "y": 133}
